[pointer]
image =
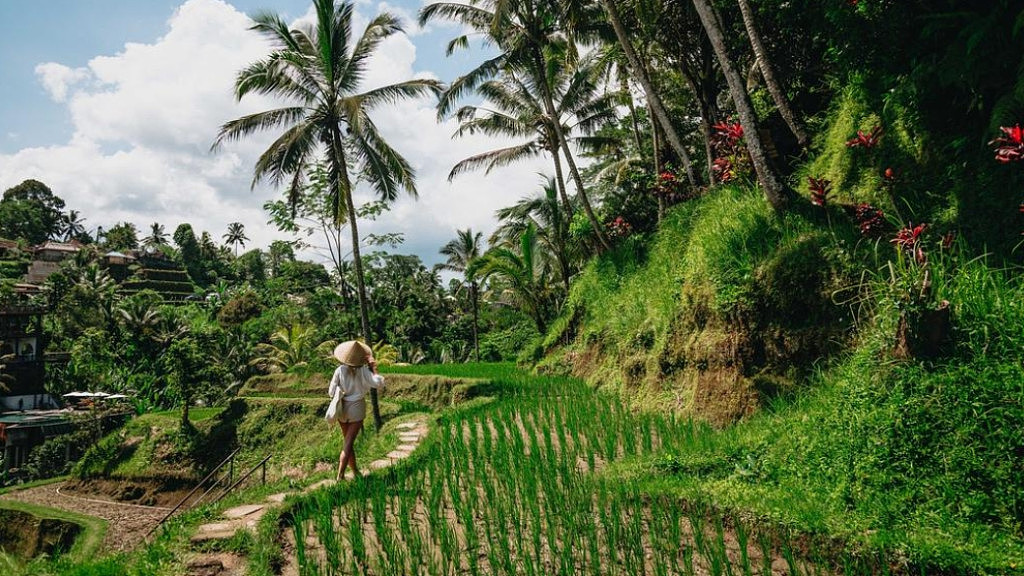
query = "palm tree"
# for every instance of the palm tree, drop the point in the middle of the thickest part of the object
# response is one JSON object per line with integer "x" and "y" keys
{"x": 524, "y": 273}
{"x": 157, "y": 236}
{"x": 768, "y": 71}
{"x": 545, "y": 215}
{"x": 528, "y": 38}
{"x": 462, "y": 253}
{"x": 291, "y": 347}
{"x": 639, "y": 72}
{"x": 235, "y": 236}
{"x": 513, "y": 111}
{"x": 770, "y": 182}
{"x": 72, "y": 225}
{"x": 318, "y": 69}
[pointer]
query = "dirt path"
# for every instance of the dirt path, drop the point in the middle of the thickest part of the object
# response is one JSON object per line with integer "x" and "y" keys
{"x": 127, "y": 523}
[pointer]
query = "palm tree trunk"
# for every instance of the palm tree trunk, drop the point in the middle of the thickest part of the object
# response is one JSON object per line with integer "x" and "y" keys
{"x": 656, "y": 146}
{"x": 781, "y": 102}
{"x": 556, "y": 124}
{"x": 707, "y": 119}
{"x": 345, "y": 189}
{"x": 770, "y": 183}
{"x": 560, "y": 179}
{"x": 624, "y": 86}
{"x": 476, "y": 315}
{"x": 640, "y": 73}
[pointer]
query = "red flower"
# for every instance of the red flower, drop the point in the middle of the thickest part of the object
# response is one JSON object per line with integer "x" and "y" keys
{"x": 667, "y": 177}
{"x": 909, "y": 237}
{"x": 730, "y": 132}
{"x": 866, "y": 140}
{"x": 619, "y": 227}
{"x": 889, "y": 174}
{"x": 723, "y": 169}
{"x": 820, "y": 189}
{"x": 1011, "y": 147}
{"x": 869, "y": 219}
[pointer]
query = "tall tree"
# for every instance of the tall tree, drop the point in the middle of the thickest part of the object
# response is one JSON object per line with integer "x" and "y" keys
{"x": 461, "y": 253}
{"x": 318, "y": 68}
{"x": 30, "y": 211}
{"x": 639, "y": 71}
{"x": 121, "y": 237}
{"x": 514, "y": 111}
{"x": 524, "y": 273}
{"x": 545, "y": 215}
{"x": 72, "y": 226}
{"x": 773, "y": 188}
{"x": 157, "y": 236}
{"x": 764, "y": 63}
{"x": 235, "y": 236}
{"x": 529, "y": 39}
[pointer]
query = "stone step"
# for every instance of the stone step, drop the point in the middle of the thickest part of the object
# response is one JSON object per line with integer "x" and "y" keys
{"x": 243, "y": 511}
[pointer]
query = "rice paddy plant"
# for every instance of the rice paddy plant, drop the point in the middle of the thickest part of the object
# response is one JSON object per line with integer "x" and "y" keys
{"x": 509, "y": 488}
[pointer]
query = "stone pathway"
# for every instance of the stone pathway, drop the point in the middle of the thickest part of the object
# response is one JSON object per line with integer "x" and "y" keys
{"x": 247, "y": 516}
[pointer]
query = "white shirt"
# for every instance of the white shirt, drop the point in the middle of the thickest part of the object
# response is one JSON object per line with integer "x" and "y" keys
{"x": 354, "y": 383}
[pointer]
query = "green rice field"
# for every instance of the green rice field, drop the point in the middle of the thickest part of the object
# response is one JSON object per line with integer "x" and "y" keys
{"x": 526, "y": 484}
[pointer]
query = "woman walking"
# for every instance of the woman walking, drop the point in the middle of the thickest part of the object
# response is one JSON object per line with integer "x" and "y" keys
{"x": 349, "y": 386}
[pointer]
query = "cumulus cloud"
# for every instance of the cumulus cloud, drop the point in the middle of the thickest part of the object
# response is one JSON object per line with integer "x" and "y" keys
{"x": 144, "y": 119}
{"x": 58, "y": 78}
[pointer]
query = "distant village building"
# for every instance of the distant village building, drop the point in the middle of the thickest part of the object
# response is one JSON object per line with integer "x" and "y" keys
{"x": 47, "y": 258}
{"x": 28, "y": 413}
{"x": 22, "y": 349}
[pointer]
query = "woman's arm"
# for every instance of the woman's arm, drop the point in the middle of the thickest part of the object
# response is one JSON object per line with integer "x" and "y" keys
{"x": 335, "y": 383}
{"x": 375, "y": 380}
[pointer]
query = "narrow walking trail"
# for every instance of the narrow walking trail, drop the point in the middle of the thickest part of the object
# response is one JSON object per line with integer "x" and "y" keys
{"x": 127, "y": 524}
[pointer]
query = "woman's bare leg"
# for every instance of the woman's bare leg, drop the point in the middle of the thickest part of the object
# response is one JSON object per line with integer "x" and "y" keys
{"x": 343, "y": 457}
{"x": 350, "y": 440}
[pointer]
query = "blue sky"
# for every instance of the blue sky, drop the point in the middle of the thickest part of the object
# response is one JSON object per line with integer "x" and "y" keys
{"x": 113, "y": 103}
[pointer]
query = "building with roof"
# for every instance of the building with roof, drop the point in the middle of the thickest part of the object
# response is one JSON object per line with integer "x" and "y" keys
{"x": 46, "y": 259}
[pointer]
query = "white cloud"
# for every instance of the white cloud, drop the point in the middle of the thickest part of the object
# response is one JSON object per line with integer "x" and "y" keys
{"x": 58, "y": 78}
{"x": 144, "y": 119}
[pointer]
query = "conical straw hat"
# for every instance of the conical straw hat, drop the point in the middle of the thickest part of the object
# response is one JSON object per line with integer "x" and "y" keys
{"x": 353, "y": 353}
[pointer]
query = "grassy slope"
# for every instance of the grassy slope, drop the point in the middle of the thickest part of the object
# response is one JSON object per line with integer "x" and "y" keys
{"x": 919, "y": 459}
{"x": 86, "y": 544}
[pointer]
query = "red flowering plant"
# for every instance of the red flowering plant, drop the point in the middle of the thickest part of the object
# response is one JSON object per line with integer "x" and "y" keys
{"x": 1009, "y": 148}
{"x": 723, "y": 169}
{"x": 909, "y": 240}
{"x": 870, "y": 220}
{"x": 619, "y": 228}
{"x": 731, "y": 155}
{"x": 866, "y": 140}
{"x": 923, "y": 324}
{"x": 671, "y": 188}
{"x": 820, "y": 189}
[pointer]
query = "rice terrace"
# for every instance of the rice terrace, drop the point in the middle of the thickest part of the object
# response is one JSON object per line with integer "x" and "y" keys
{"x": 512, "y": 288}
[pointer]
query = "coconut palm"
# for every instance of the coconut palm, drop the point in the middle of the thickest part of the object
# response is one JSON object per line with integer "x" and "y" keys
{"x": 157, "y": 236}
{"x": 530, "y": 40}
{"x": 764, "y": 63}
{"x": 514, "y": 111}
{"x": 639, "y": 72}
{"x": 235, "y": 236}
{"x": 72, "y": 225}
{"x": 523, "y": 274}
{"x": 544, "y": 213}
{"x": 774, "y": 190}
{"x": 291, "y": 347}
{"x": 462, "y": 252}
{"x": 318, "y": 68}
